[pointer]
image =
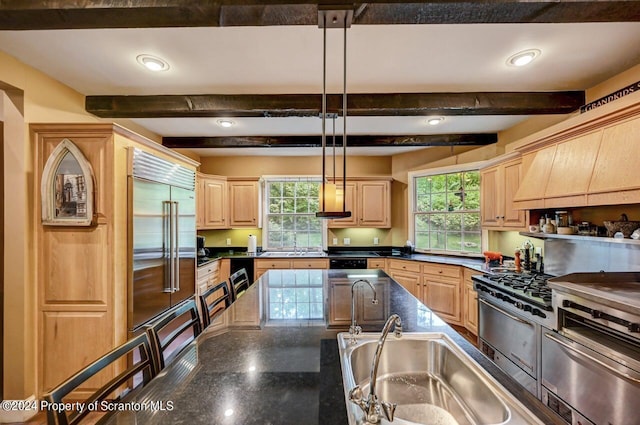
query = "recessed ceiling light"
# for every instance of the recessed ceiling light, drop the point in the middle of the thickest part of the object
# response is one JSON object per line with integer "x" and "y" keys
{"x": 523, "y": 58}
{"x": 226, "y": 123}
{"x": 228, "y": 412}
{"x": 435, "y": 120}
{"x": 152, "y": 63}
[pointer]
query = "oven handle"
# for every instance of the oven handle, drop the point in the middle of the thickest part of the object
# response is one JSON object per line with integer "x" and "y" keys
{"x": 593, "y": 359}
{"x": 509, "y": 315}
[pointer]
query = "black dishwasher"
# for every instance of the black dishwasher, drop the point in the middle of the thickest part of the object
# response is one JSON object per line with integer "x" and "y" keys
{"x": 237, "y": 263}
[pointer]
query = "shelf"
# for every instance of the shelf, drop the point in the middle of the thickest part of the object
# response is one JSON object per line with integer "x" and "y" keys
{"x": 541, "y": 235}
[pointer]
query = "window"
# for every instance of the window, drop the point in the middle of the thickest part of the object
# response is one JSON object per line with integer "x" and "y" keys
{"x": 291, "y": 206}
{"x": 295, "y": 295}
{"x": 446, "y": 212}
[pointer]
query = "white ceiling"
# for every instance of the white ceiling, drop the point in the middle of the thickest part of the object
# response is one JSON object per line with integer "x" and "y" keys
{"x": 288, "y": 59}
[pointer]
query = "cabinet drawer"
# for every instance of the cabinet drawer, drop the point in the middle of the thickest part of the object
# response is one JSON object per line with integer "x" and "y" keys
{"x": 310, "y": 264}
{"x": 410, "y": 266}
{"x": 376, "y": 264}
{"x": 273, "y": 264}
{"x": 441, "y": 270}
{"x": 208, "y": 269}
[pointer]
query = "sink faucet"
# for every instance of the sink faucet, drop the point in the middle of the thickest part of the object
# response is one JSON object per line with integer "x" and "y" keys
{"x": 372, "y": 408}
{"x": 354, "y": 329}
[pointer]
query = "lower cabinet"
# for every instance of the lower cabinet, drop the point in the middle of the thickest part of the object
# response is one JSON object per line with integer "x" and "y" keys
{"x": 367, "y": 313}
{"x": 262, "y": 265}
{"x": 442, "y": 291}
{"x": 470, "y": 300}
{"x": 408, "y": 274}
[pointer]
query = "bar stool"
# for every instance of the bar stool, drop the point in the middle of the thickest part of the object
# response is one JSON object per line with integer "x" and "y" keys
{"x": 209, "y": 302}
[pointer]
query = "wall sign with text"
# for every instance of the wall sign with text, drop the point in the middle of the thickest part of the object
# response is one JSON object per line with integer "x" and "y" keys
{"x": 611, "y": 97}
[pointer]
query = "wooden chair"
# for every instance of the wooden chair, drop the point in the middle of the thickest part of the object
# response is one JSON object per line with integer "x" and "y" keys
{"x": 239, "y": 283}
{"x": 139, "y": 359}
{"x": 209, "y": 303}
{"x": 175, "y": 330}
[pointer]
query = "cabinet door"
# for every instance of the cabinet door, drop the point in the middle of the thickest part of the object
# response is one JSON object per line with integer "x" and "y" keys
{"x": 351, "y": 204}
{"x": 339, "y": 303}
{"x": 470, "y": 303}
{"x": 490, "y": 197}
{"x": 443, "y": 297}
{"x": 199, "y": 202}
{"x": 512, "y": 177}
{"x": 369, "y": 313}
{"x": 374, "y": 206}
{"x": 410, "y": 281}
{"x": 243, "y": 203}
{"x": 215, "y": 204}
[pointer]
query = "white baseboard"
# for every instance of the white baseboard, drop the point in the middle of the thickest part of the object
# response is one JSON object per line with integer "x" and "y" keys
{"x": 9, "y": 411}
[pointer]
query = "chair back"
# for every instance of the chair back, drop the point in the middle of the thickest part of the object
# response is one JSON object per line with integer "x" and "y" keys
{"x": 239, "y": 283}
{"x": 173, "y": 331}
{"x": 211, "y": 299}
{"x": 139, "y": 359}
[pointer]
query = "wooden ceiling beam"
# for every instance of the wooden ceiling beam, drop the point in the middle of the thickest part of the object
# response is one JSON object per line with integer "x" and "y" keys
{"x": 305, "y": 105}
{"x": 82, "y": 14}
{"x": 316, "y": 141}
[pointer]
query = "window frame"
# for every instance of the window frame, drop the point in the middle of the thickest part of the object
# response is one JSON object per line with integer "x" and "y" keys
{"x": 411, "y": 213}
{"x": 264, "y": 182}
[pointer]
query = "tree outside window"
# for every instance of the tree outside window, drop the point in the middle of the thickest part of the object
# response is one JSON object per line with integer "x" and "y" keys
{"x": 447, "y": 212}
{"x": 290, "y": 217}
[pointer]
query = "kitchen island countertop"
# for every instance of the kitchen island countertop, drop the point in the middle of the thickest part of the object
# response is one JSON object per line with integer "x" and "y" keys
{"x": 250, "y": 367}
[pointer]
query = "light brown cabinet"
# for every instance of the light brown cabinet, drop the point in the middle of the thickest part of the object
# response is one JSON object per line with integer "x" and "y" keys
{"x": 498, "y": 186}
{"x": 376, "y": 263}
{"x": 81, "y": 272}
{"x": 369, "y": 203}
{"x": 367, "y": 313}
{"x": 442, "y": 291}
{"x": 470, "y": 302}
{"x": 263, "y": 265}
{"x": 223, "y": 204}
{"x": 243, "y": 203}
{"x": 213, "y": 203}
{"x": 208, "y": 276}
{"x": 408, "y": 274}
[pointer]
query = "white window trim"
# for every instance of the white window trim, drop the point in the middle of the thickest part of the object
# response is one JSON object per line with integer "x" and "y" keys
{"x": 265, "y": 205}
{"x": 470, "y": 166}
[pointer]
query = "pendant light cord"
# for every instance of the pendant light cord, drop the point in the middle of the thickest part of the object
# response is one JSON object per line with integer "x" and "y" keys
{"x": 324, "y": 107}
{"x": 344, "y": 121}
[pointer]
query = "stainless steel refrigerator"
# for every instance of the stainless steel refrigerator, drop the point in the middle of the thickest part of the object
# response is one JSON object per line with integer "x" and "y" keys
{"x": 162, "y": 235}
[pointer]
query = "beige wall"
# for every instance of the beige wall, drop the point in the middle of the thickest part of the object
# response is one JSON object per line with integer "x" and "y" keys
{"x": 254, "y": 166}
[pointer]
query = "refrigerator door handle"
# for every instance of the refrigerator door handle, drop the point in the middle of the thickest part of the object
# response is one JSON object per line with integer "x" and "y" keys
{"x": 176, "y": 259}
{"x": 167, "y": 242}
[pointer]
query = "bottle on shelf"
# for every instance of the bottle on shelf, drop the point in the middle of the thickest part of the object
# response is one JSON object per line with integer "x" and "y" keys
{"x": 548, "y": 227}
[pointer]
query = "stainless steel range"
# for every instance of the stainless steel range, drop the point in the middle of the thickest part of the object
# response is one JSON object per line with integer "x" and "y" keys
{"x": 514, "y": 310}
{"x": 591, "y": 361}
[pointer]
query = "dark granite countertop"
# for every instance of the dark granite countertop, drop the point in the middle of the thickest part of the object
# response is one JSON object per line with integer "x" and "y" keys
{"x": 250, "y": 367}
{"x": 469, "y": 262}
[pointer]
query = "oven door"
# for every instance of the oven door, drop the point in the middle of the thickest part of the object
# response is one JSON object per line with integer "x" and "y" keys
{"x": 601, "y": 389}
{"x": 510, "y": 334}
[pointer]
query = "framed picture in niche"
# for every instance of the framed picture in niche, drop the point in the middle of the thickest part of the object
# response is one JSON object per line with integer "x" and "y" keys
{"x": 67, "y": 187}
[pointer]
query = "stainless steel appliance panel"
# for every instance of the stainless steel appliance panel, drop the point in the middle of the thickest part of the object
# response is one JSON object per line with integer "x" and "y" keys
{"x": 151, "y": 281}
{"x": 503, "y": 362}
{"x": 512, "y": 335}
{"x": 185, "y": 212}
{"x": 604, "y": 391}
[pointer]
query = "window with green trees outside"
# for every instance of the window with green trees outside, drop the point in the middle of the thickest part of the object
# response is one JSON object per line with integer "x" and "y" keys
{"x": 290, "y": 215}
{"x": 447, "y": 212}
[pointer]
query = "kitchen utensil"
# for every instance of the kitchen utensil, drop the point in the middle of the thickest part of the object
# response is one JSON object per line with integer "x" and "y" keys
{"x": 623, "y": 225}
{"x": 492, "y": 256}
{"x": 549, "y": 226}
{"x": 565, "y": 230}
{"x": 562, "y": 219}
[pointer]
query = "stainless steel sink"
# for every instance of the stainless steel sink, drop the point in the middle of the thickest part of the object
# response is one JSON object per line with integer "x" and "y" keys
{"x": 293, "y": 254}
{"x": 432, "y": 380}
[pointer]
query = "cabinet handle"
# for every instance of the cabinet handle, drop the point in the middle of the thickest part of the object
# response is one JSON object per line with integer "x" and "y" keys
{"x": 440, "y": 271}
{"x": 497, "y": 217}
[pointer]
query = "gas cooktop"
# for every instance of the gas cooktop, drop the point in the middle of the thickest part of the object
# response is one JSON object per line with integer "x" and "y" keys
{"x": 529, "y": 287}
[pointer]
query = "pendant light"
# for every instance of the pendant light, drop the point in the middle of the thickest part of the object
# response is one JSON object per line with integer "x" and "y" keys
{"x": 332, "y": 198}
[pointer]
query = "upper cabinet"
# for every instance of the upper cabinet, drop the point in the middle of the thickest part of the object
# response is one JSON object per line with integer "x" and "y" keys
{"x": 213, "y": 201}
{"x": 369, "y": 202}
{"x": 499, "y": 185}
{"x": 596, "y": 166}
{"x": 225, "y": 204}
{"x": 243, "y": 203}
